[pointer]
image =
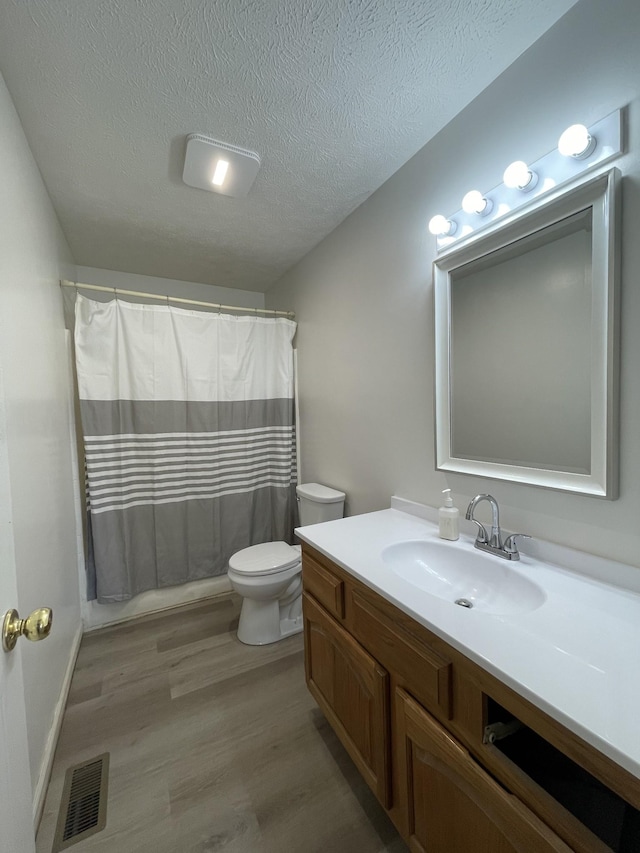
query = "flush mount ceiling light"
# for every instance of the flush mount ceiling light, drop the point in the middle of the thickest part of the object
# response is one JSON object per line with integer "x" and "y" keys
{"x": 440, "y": 225}
{"x": 580, "y": 149}
{"x": 219, "y": 167}
{"x": 576, "y": 142}
{"x": 518, "y": 176}
{"x": 475, "y": 202}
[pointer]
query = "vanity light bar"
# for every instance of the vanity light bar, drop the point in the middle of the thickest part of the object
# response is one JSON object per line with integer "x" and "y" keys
{"x": 579, "y": 150}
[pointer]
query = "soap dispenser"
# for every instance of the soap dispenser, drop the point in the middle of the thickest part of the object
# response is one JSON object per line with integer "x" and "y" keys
{"x": 448, "y": 516}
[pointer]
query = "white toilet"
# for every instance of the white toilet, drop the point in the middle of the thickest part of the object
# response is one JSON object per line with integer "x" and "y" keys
{"x": 269, "y": 576}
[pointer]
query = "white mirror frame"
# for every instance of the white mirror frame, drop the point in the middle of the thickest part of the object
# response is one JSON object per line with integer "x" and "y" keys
{"x": 601, "y": 194}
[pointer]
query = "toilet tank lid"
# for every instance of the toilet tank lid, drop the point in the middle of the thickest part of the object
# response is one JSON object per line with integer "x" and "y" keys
{"x": 319, "y": 493}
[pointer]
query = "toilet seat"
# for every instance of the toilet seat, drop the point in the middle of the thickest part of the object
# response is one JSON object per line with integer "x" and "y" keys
{"x": 269, "y": 558}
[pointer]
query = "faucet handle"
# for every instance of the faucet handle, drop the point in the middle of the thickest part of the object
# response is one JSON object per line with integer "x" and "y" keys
{"x": 510, "y": 543}
{"x": 482, "y": 536}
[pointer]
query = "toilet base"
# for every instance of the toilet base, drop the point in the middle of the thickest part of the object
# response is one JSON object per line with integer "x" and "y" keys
{"x": 265, "y": 622}
{"x": 290, "y": 626}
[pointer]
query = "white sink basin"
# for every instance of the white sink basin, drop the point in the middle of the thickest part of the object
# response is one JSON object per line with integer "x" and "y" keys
{"x": 455, "y": 573}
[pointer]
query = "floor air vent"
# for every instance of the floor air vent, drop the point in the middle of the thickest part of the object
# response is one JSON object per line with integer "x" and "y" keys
{"x": 83, "y": 810}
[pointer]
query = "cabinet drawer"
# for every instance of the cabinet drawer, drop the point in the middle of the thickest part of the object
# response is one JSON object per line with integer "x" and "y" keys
{"x": 324, "y": 586}
{"x": 427, "y": 672}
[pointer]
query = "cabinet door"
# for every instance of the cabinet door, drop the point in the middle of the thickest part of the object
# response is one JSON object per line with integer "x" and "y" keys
{"x": 352, "y": 689}
{"x": 453, "y": 805}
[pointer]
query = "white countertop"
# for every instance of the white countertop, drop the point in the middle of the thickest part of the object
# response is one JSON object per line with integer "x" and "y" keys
{"x": 575, "y": 657}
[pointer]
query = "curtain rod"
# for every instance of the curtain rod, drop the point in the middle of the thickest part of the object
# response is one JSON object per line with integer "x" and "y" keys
{"x": 120, "y": 291}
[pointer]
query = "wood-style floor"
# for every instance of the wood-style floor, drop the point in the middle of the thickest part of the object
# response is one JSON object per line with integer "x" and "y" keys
{"x": 214, "y": 746}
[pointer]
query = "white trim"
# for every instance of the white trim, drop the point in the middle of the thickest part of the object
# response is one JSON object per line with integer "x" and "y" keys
{"x": 46, "y": 765}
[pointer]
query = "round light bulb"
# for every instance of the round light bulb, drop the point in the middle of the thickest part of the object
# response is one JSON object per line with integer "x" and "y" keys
{"x": 576, "y": 142}
{"x": 518, "y": 176}
{"x": 475, "y": 202}
{"x": 440, "y": 226}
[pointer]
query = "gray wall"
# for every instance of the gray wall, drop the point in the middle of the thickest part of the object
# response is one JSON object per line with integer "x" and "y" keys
{"x": 164, "y": 286}
{"x": 364, "y": 298}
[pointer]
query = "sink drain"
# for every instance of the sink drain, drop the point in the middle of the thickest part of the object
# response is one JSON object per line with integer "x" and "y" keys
{"x": 464, "y": 602}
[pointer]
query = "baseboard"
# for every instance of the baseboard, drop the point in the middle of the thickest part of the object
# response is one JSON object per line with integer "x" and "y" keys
{"x": 46, "y": 766}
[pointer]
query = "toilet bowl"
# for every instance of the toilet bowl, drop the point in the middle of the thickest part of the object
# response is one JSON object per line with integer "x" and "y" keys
{"x": 269, "y": 576}
{"x": 269, "y": 579}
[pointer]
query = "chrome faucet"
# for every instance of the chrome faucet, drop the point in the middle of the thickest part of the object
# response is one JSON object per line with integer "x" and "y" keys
{"x": 492, "y": 542}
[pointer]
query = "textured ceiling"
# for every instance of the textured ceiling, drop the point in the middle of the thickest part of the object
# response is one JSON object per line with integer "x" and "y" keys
{"x": 335, "y": 95}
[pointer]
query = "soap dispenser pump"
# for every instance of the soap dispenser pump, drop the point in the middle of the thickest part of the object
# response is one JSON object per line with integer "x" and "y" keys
{"x": 448, "y": 517}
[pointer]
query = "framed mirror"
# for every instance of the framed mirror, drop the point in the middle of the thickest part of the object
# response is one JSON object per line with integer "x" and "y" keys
{"x": 526, "y": 345}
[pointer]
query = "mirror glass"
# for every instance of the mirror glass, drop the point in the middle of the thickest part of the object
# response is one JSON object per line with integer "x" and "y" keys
{"x": 525, "y": 346}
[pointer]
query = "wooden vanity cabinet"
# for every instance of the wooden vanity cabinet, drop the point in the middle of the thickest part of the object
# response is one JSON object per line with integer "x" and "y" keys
{"x": 452, "y": 804}
{"x": 352, "y": 689}
{"x": 411, "y": 712}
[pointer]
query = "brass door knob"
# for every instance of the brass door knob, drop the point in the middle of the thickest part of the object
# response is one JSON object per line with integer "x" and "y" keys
{"x": 35, "y": 627}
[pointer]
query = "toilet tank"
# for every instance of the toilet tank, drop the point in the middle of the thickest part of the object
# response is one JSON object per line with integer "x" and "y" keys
{"x": 319, "y": 503}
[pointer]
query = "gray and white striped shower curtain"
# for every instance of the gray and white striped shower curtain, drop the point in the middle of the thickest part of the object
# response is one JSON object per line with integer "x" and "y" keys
{"x": 189, "y": 436}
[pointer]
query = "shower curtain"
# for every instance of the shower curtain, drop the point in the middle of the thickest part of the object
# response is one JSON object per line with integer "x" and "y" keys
{"x": 189, "y": 437}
